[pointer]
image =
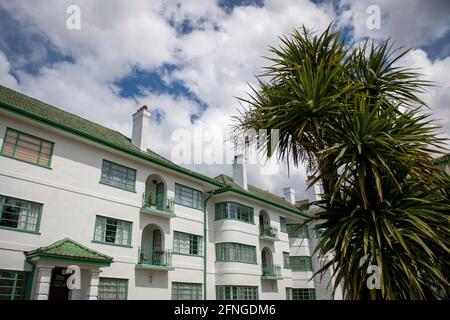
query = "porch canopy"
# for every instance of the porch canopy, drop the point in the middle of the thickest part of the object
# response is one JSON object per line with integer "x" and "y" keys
{"x": 69, "y": 251}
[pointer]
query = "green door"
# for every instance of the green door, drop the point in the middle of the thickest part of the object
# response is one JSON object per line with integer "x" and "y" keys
{"x": 160, "y": 196}
{"x": 156, "y": 248}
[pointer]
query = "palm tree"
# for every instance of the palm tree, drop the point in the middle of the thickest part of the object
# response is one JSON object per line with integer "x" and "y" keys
{"x": 355, "y": 119}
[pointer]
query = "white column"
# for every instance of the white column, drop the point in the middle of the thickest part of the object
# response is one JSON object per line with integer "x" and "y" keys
{"x": 44, "y": 276}
{"x": 92, "y": 291}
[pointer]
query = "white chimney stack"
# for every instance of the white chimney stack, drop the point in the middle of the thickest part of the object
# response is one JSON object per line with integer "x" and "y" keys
{"x": 289, "y": 195}
{"x": 315, "y": 192}
{"x": 141, "y": 126}
{"x": 240, "y": 171}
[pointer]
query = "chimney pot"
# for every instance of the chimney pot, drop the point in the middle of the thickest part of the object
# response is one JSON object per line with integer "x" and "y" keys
{"x": 141, "y": 126}
{"x": 289, "y": 195}
{"x": 240, "y": 171}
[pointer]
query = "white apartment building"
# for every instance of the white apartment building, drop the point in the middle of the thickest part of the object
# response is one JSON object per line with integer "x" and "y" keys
{"x": 138, "y": 226}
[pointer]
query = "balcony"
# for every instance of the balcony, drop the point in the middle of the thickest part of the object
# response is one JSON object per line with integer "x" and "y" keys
{"x": 158, "y": 205}
{"x": 272, "y": 272}
{"x": 268, "y": 233}
{"x": 154, "y": 259}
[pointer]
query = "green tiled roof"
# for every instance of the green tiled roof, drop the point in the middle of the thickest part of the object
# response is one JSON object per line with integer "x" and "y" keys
{"x": 43, "y": 112}
{"x": 68, "y": 248}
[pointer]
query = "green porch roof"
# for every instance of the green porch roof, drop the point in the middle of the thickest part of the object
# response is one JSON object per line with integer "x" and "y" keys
{"x": 26, "y": 106}
{"x": 68, "y": 249}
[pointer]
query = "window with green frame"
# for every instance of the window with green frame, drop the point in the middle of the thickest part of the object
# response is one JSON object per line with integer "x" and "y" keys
{"x": 119, "y": 176}
{"x": 19, "y": 214}
{"x": 235, "y": 252}
{"x": 298, "y": 231}
{"x": 186, "y": 291}
{"x": 12, "y": 285}
{"x": 186, "y": 243}
{"x": 320, "y": 232}
{"x": 235, "y": 211}
{"x": 236, "y": 293}
{"x": 188, "y": 197}
{"x": 112, "y": 289}
{"x": 300, "y": 263}
{"x": 25, "y": 147}
{"x": 286, "y": 261}
{"x": 112, "y": 231}
{"x": 300, "y": 294}
{"x": 283, "y": 226}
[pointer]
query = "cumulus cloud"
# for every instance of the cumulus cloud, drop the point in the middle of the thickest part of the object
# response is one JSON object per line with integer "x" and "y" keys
{"x": 216, "y": 52}
{"x": 408, "y": 22}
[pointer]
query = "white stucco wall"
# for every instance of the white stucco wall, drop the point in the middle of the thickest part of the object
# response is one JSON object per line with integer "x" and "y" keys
{"x": 72, "y": 197}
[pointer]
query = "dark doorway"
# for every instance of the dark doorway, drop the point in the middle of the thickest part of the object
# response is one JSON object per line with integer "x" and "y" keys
{"x": 58, "y": 286}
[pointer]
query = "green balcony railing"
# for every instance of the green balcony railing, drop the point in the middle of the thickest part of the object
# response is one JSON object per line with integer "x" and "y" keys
{"x": 266, "y": 231}
{"x": 158, "y": 202}
{"x": 271, "y": 272}
{"x": 149, "y": 256}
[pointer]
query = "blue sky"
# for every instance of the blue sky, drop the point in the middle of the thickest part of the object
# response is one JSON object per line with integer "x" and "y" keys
{"x": 189, "y": 60}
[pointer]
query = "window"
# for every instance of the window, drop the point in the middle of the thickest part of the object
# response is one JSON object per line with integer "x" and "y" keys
{"x": 186, "y": 291}
{"x": 28, "y": 148}
{"x": 12, "y": 285}
{"x": 186, "y": 243}
{"x": 118, "y": 176}
{"x": 236, "y": 293}
{"x": 300, "y": 263}
{"x": 283, "y": 226}
{"x": 233, "y": 210}
{"x": 298, "y": 231}
{"x": 300, "y": 294}
{"x": 112, "y": 289}
{"x": 237, "y": 252}
{"x": 188, "y": 197}
{"x": 286, "y": 262}
{"x": 19, "y": 214}
{"x": 114, "y": 231}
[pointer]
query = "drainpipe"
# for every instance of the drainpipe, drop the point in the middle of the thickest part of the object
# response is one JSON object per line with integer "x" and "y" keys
{"x": 205, "y": 240}
{"x": 29, "y": 282}
{"x": 205, "y": 245}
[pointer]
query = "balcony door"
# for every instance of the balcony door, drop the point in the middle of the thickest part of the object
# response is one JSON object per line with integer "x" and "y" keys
{"x": 160, "y": 195}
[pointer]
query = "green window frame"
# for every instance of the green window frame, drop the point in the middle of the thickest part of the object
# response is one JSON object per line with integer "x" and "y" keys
{"x": 186, "y": 243}
{"x": 188, "y": 197}
{"x": 283, "y": 225}
{"x": 235, "y": 252}
{"x": 286, "y": 260}
{"x": 298, "y": 230}
{"x": 186, "y": 291}
{"x": 118, "y": 176}
{"x": 27, "y": 148}
{"x": 225, "y": 292}
{"x": 112, "y": 289}
{"x": 20, "y": 215}
{"x": 300, "y": 263}
{"x": 320, "y": 232}
{"x": 300, "y": 294}
{"x": 12, "y": 284}
{"x": 234, "y": 211}
{"x": 112, "y": 231}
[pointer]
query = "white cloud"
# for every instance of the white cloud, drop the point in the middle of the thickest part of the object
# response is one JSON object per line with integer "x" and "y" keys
{"x": 438, "y": 96}
{"x": 408, "y": 22}
{"x": 215, "y": 61}
{"x": 5, "y": 77}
